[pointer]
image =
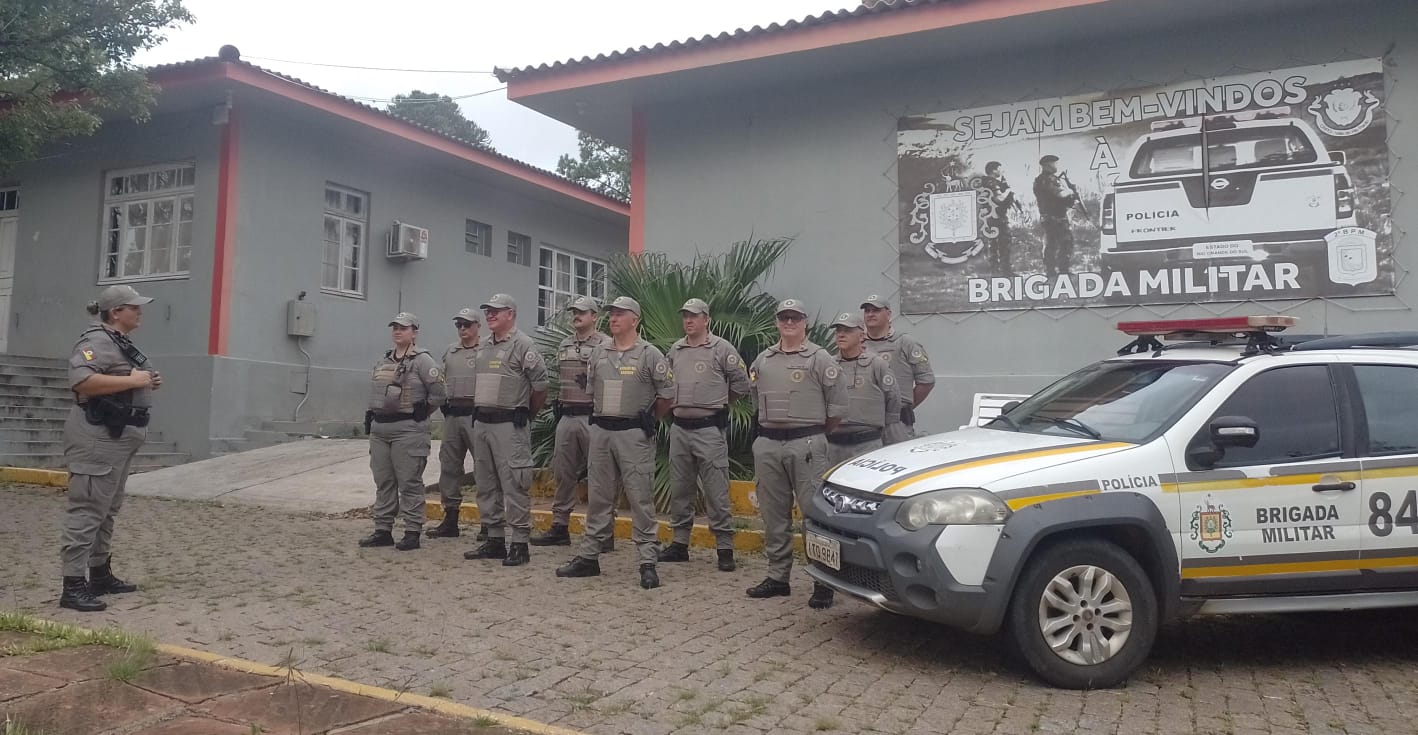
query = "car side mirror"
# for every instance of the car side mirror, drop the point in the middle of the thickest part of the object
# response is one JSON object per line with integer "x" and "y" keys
{"x": 1337, "y": 157}
{"x": 1234, "y": 431}
{"x": 1006, "y": 408}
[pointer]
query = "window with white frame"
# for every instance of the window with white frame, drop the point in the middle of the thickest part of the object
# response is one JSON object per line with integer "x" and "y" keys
{"x": 562, "y": 276}
{"x": 346, "y": 223}
{"x": 477, "y": 237}
{"x": 519, "y": 248}
{"x": 147, "y": 219}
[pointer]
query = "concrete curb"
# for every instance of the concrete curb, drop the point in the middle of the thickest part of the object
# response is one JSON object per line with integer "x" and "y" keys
{"x": 29, "y": 476}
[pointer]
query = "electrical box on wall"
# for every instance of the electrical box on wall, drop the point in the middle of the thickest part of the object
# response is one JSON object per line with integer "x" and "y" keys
{"x": 300, "y": 319}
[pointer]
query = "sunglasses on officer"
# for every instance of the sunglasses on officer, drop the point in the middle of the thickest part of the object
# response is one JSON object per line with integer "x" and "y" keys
{"x": 789, "y": 316}
{"x": 464, "y": 325}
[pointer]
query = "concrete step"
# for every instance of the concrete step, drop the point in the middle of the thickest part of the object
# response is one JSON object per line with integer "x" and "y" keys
{"x": 55, "y": 460}
{"x": 57, "y": 447}
{"x": 14, "y": 411}
{"x": 60, "y": 380}
{"x": 45, "y": 397}
{"x": 317, "y": 427}
{"x": 32, "y": 434}
{"x": 18, "y": 361}
{"x": 9, "y": 392}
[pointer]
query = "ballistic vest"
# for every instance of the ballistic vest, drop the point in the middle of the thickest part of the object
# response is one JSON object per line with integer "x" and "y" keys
{"x": 396, "y": 385}
{"x": 700, "y": 379}
{"x": 503, "y": 368}
{"x": 572, "y": 357}
{"x": 625, "y": 381}
{"x": 460, "y": 371}
{"x": 866, "y": 400}
{"x": 790, "y": 385}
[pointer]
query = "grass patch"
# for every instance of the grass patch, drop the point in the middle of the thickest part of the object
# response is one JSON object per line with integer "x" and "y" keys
{"x": 58, "y": 636}
{"x": 134, "y": 659}
{"x": 484, "y": 721}
{"x": 618, "y": 707}
{"x": 313, "y": 641}
{"x": 583, "y": 699}
{"x": 15, "y": 727}
{"x": 823, "y": 724}
{"x": 380, "y": 645}
{"x": 425, "y": 651}
{"x": 441, "y": 691}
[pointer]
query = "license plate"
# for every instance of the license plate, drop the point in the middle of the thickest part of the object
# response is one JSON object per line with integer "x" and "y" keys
{"x": 1226, "y": 249}
{"x": 825, "y": 550}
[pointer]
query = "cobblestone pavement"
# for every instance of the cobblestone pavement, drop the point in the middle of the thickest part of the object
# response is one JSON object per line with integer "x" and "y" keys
{"x": 695, "y": 656}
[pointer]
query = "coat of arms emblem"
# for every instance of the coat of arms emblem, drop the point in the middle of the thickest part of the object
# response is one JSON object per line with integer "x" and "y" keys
{"x": 1210, "y": 526}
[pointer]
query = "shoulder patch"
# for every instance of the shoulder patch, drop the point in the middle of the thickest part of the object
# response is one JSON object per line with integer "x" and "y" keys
{"x": 831, "y": 372}
{"x": 662, "y": 368}
{"x": 888, "y": 379}
{"x": 434, "y": 373}
{"x": 734, "y": 359}
{"x": 532, "y": 356}
{"x": 88, "y": 355}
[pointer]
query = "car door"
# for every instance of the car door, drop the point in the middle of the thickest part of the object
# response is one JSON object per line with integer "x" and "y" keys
{"x": 1283, "y": 516}
{"x": 1389, "y": 419}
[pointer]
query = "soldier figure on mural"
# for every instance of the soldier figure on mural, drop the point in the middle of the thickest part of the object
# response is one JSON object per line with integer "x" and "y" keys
{"x": 405, "y": 388}
{"x": 509, "y": 389}
{"x": 459, "y": 374}
{"x": 573, "y": 415}
{"x": 800, "y": 396}
{"x": 1002, "y": 200}
{"x": 909, "y": 363}
{"x": 631, "y": 385}
{"x": 1056, "y": 195}
{"x": 709, "y": 374}
{"x": 874, "y": 402}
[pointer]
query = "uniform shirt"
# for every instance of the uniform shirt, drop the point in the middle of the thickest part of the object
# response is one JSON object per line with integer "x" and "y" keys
{"x": 872, "y": 391}
{"x": 1003, "y": 198}
{"x": 705, "y": 375}
{"x": 400, "y": 382}
{"x": 797, "y": 389}
{"x": 97, "y": 352}
{"x": 460, "y": 371}
{"x": 1054, "y": 196}
{"x": 572, "y": 357}
{"x": 622, "y": 384}
{"x": 510, "y": 370}
{"x": 908, "y": 360}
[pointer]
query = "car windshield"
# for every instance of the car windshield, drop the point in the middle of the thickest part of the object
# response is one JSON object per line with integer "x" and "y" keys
{"x": 1124, "y": 400}
{"x": 1226, "y": 150}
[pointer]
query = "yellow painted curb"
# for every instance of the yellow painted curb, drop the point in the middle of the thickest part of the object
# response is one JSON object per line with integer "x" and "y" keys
{"x": 441, "y": 706}
{"x": 29, "y": 476}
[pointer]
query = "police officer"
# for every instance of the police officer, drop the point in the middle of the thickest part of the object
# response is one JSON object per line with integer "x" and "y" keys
{"x": 631, "y": 385}
{"x": 909, "y": 363}
{"x": 113, "y": 384}
{"x": 406, "y": 387}
{"x": 874, "y": 403}
{"x": 573, "y": 415}
{"x": 997, "y": 227}
{"x": 1055, "y": 195}
{"x": 709, "y": 374}
{"x": 459, "y": 374}
{"x": 511, "y": 387}
{"x": 800, "y": 396}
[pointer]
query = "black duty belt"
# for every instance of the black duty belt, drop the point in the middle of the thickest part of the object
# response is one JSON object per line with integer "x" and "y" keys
{"x": 498, "y": 415}
{"x": 576, "y": 409}
{"x": 699, "y": 423}
{"x": 389, "y": 418}
{"x": 854, "y": 437}
{"x": 783, "y": 435}
{"x": 613, "y": 423}
{"x": 456, "y": 410}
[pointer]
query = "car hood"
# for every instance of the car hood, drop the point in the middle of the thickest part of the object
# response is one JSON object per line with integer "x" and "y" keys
{"x": 972, "y": 457}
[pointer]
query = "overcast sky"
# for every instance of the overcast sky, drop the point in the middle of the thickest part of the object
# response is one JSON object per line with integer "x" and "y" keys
{"x": 474, "y": 35}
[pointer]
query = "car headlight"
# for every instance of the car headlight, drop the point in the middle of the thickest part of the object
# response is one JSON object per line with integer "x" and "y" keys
{"x": 961, "y": 505}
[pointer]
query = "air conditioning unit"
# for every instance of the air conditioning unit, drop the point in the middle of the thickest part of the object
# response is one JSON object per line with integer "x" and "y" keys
{"x": 407, "y": 242}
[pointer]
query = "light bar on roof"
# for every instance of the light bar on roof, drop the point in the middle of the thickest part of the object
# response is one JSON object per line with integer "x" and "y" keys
{"x": 1217, "y": 325}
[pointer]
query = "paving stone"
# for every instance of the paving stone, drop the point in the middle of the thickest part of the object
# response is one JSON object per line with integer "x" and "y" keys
{"x": 69, "y": 664}
{"x": 194, "y": 683}
{"x": 422, "y": 723}
{"x": 88, "y": 707}
{"x": 11, "y": 639}
{"x": 194, "y": 726}
{"x": 297, "y": 708}
{"x": 15, "y": 684}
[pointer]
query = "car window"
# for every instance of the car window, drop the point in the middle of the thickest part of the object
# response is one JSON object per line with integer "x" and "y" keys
{"x": 1226, "y": 150}
{"x": 1294, "y": 409}
{"x": 1390, "y": 394}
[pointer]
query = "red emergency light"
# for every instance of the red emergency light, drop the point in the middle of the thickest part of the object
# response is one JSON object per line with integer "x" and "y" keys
{"x": 1217, "y": 325}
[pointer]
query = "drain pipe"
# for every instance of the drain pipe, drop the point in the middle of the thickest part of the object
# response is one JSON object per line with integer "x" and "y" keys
{"x": 300, "y": 345}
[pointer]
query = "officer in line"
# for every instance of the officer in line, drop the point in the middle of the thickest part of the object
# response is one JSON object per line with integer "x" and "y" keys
{"x": 573, "y": 416}
{"x": 405, "y": 389}
{"x": 874, "y": 403}
{"x": 113, "y": 385}
{"x": 631, "y": 385}
{"x": 1056, "y": 196}
{"x": 459, "y": 374}
{"x": 510, "y": 388}
{"x": 709, "y": 374}
{"x": 997, "y": 221}
{"x": 800, "y": 396}
{"x": 909, "y": 363}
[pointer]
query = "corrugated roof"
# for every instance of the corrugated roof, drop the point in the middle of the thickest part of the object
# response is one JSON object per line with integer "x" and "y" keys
{"x": 867, "y": 8}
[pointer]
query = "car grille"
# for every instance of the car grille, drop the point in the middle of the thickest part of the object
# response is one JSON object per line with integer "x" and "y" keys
{"x": 846, "y": 501}
{"x": 859, "y": 576}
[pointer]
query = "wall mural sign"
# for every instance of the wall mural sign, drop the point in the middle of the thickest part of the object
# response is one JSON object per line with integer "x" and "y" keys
{"x": 1270, "y": 185}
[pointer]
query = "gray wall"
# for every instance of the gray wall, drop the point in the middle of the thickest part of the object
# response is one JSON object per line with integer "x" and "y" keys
{"x": 819, "y": 162}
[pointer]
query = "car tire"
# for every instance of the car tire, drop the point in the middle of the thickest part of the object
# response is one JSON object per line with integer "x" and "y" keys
{"x": 1099, "y": 645}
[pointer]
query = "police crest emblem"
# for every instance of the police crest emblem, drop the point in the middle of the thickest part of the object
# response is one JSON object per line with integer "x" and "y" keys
{"x": 1210, "y": 526}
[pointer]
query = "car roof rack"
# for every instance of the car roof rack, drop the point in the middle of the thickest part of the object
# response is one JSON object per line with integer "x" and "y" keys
{"x": 1381, "y": 340}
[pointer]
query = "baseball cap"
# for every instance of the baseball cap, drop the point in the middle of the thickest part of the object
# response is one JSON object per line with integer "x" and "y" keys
{"x": 793, "y": 305}
{"x": 849, "y": 319}
{"x": 499, "y": 301}
{"x": 584, "y": 303}
{"x": 116, "y": 296}
{"x": 626, "y": 303}
{"x": 1051, "y": 158}
{"x": 695, "y": 306}
{"x": 405, "y": 319}
{"x": 467, "y": 314}
{"x": 875, "y": 301}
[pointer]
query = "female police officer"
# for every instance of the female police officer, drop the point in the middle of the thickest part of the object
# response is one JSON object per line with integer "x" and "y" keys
{"x": 113, "y": 384}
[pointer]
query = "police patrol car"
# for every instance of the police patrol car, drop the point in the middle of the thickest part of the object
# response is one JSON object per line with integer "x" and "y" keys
{"x": 1230, "y": 470}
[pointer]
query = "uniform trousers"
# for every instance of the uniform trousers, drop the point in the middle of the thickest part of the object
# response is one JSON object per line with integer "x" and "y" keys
{"x": 98, "y": 473}
{"x": 502, "y": 466}
{"x": 621, "y": 459}
{"x": 699, "y": 460}
{"x": 457, "y": 443}
{"x": 398, "y": 454}
{"x": 787, "y": 472}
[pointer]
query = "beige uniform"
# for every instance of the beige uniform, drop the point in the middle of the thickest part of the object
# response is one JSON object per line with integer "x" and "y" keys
{"x": 622, "y": 385}
{"x": 98, "y": 464}
{"x": 398, "y": 442}
{"x": 795, "y": 392}
{"x": 460, "y": 375}
{"x": 705, "y": 375}
{"x": 873, "y": 401}
{"x": 509, "y": 371}
{"x": 573, "y": 429}
{"x": 911, "y": 366}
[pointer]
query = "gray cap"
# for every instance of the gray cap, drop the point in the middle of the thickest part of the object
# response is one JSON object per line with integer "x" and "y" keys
{"x": 626, "y": 303}
{"x": 695, "y": 306}
{"x": 116, "y": 296}
{"x": 499, "y": 301}
{"x": 405, "y": 319}
{"x": 793, "y": 305}
{"x": 584, "y": 303}
{"x": 467, "y": 314}
{"x": 849, "y": 319}
{"x": 876, "y": 301}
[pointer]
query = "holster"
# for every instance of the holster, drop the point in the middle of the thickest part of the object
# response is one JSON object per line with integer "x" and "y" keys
{"x": 421, "y": 411}
{"x": 556, "y": 409}
{"x": 648, "y": 423}
{"x": 908, "y": 415}
{"x": 520, "y": 416}
{"x": 368, "y": 421}
{"x": 721, "y": 419}
{"x": 108, "y": 413}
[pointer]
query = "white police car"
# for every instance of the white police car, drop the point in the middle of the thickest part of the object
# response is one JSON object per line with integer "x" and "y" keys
{"x": 1234, "y": 472}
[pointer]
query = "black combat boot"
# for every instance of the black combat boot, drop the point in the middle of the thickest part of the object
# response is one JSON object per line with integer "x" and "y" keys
{"x": 649, "y": 579}
{"x": 76, "y": 596}
{"x": 579, "y": 566}
{"x": 482, "y": 533}
{"x": 378, "y": 538}
{"x": 769, "y": 588}
{"x": 448, "y": 527}
{"x": 493, "y": 548}
{"x": 409, "y": 542}
{"x": 102, "y": 581}
{"x": 516, "y": 555}
{"x": 557, "y": 535}
{"x": 821, "y": 597}
{"x": 726, "y": 560}
{"x": 675, "y": 552}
